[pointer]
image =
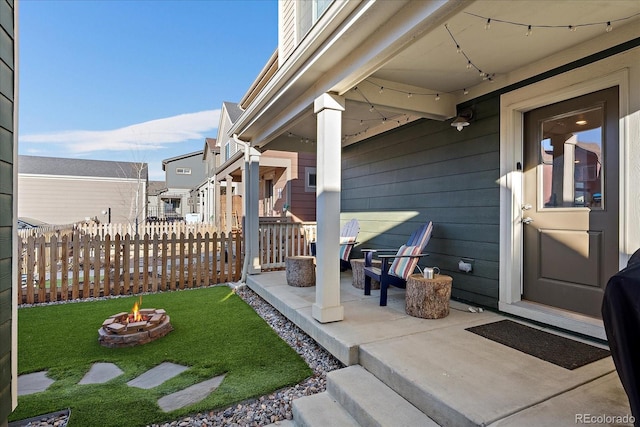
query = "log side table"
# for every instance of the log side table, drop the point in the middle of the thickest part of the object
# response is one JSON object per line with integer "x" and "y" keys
{"x": 357, "y": 267}
{"x": 428, "y": 298}
{"x": 300, "y": 271}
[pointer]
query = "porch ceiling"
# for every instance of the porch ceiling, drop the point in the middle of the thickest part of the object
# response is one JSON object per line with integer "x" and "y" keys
{"x": 413, "y": 72}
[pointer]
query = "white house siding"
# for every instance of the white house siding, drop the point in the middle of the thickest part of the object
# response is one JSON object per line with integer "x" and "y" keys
{"x": 64, "y": 200}
{"x": 287, "y": 26}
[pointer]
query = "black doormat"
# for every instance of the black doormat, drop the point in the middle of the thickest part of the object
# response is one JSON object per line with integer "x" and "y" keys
{"x": 549, "y": 347}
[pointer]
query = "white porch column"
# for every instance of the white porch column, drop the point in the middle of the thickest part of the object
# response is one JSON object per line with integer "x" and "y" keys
{"x": 328, "y": 108}
{"x": 229, "y": 208}
{"x": 216, "y": 204}
{"x": 251, "y": 202}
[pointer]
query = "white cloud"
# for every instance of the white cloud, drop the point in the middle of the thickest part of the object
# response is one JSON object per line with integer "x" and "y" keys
{"x": 151, "y": 135}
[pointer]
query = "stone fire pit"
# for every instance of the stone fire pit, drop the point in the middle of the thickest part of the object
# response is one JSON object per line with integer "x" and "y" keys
{"x": 128, "y": 330}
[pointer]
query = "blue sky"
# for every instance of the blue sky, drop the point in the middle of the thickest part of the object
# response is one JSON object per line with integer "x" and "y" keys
{"x": 135, "y": 80}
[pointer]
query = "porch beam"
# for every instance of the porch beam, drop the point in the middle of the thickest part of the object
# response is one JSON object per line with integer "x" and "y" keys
{"x": 328, "y": 108}
{"x": 393, "y": 96}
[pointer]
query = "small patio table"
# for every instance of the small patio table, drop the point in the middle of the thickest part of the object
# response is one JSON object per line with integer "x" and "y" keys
{"x": 428, "y": 298}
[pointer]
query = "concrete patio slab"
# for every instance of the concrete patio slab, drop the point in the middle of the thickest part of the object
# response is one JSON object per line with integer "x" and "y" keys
{"x": 189, "y": 395}
{"x": 452, "y": 375}
{"x": 101, "y": 373}
{"x": 474, "y": 379}
{"x": 33, "y": 383}
{"x": 157, "y": 375}
{"x": 603, "y": 397}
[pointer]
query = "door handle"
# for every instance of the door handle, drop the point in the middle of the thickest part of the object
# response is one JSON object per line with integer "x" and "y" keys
{"x": 527, "y": 220}
{"x": 526, "y": 207}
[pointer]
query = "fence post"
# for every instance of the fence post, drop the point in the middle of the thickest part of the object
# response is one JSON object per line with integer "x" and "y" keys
{"x": 126, "y": 263}
{"x": 145, "y": 264}
{"x": 174, "y": 262}
{"x": 107, "y": 264}
{"x": 53, "y": 274}
{"x": 198, "y": 260}
{"x": 214, "y": 258}
{"x": 86, "y": 267}
{"x": 190, "y": 260}
{"x": 97, "y": 264}
{"x": 64, "y": 286}
{"x": 163, "y": 271}
{"x": 75, "y": 290}
{"x": 207, "y": 260}
{"x": 117, "y": 251}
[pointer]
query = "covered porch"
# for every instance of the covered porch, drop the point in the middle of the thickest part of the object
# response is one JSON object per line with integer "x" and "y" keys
{"x": 397, "y": 363}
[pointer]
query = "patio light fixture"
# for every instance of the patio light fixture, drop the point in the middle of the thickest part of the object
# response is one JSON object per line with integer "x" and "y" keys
{"x": 463, "y": 119}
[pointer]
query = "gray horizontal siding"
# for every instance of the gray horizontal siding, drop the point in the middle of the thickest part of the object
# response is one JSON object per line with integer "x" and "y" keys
{"x": 427, "y": 170}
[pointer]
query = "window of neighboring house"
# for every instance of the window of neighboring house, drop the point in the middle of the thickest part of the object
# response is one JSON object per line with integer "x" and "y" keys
{"x": 310, "y": 179}
{"x": 230, "y": 148}
{"x": 308, "y": 12}
{"x": 183, "y": 171}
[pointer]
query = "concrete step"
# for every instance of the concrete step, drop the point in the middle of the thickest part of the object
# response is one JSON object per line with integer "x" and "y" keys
{"x": 320, "y": 410}
{"x": 372, "y": 403}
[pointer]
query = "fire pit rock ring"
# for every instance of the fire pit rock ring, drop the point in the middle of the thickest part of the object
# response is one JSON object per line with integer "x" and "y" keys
{"x": 125, "y": 330}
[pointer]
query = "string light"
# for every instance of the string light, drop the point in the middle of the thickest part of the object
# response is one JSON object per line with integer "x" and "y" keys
{"x": 573, "y": 28}
{"x": 470, "y": 64}
{"x": 389, "y": 89}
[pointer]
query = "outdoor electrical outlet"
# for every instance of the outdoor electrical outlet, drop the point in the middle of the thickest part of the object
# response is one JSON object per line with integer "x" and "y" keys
{"x": 466, "y": 265}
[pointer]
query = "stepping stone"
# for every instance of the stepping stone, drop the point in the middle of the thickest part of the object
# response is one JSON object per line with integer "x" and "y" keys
{"x": 189, "y": 395}
{"x": 33, "y": 383}
{"x": 101, "y": 373}
{"x": 157, "y": 375}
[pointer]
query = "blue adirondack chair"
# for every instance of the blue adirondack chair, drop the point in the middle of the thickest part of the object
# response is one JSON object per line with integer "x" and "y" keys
{"x": 405, "y": 260}
{"x": 348, "y": 237}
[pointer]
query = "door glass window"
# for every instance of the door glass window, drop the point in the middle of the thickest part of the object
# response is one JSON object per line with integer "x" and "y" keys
{"x": 571, "y": 159}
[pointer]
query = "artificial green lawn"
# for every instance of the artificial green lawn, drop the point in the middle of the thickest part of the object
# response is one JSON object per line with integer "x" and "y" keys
{"x": 215, "y": 332}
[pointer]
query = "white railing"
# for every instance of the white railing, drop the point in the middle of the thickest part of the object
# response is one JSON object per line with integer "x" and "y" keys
{"x": 279, "y": 240}
{"x": 150, "y": 228}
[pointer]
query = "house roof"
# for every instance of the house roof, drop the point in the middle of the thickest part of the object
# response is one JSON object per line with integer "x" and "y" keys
{"x": 80, "y": 167}
{"x": 233, "y": 110}
{"x": 156, "y": 187}
{"x": 210, "y": 147}
{"x": 180, "y": 157}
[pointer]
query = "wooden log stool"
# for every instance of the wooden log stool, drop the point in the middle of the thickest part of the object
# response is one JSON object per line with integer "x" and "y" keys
{"x": 301, "y": 271}
{"x": 357, "y": 267}
{"x": 428, "y": 298}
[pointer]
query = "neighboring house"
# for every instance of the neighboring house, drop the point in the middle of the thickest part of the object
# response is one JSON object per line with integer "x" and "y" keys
{"x": 538, "y": 187}
{"x": 206, "y": 189}
{"x": 286, "y": 179}
{"x": 8, "y": 209}
{"x": 64, "y": 191}
{"x": 155, "y": 208}
{"x": 182, "y": 174}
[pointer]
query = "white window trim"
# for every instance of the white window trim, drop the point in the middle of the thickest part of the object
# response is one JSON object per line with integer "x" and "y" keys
{"x": 513, "y": 105}
{"x": 183, "y": 171}
{"x": 307, "y": 173}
